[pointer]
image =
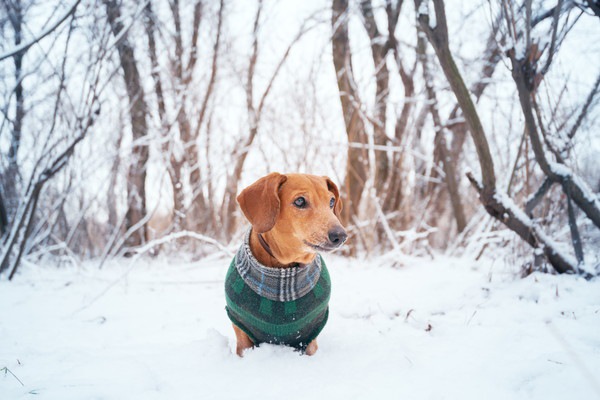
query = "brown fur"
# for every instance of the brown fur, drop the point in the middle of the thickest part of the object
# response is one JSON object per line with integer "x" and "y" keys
{"x": 292, "y": 233}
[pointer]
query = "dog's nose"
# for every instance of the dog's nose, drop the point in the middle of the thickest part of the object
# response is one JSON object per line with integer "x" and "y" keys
{"x": 337, "y": 236}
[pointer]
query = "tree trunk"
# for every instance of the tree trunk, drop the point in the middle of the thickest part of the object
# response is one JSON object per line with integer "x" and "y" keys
{"x": 524, "y": 227}
{"x": 357, "y": 161}
{"x": 438, "y": 37}
{"x": 497, "y": 205}
{"x": 379, "y": 49}
{"x": 3, "y": 217}
{"x": 11, "y": 177}
{"x": 17, "y": 239}
{"x": 189, "y": 155}
{"x": 491, "y": 58}
{"x": 150, "y": 26}
{"x": 136, "y": 177}
{"x": 394, "y": 195}
{"x": 230, "y": 197}
{"x": 202, "y": 209}
{"x": 442, "y": 151}
{"x": 111, "y": 197}
{"x": 524, "y": 76}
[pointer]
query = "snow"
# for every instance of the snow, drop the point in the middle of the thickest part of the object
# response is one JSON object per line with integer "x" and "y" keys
{"x": 427, "y": 329}
{"x": 544, "y": 239}
{"x": 423, "y": 8}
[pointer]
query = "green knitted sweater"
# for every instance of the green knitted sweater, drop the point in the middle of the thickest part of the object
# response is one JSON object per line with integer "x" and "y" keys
{"x": 293, "y": 323}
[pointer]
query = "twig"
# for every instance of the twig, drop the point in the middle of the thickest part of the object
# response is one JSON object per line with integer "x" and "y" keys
{"x": 141, "y": 250}
{"x": 585, "y": 108}
{"x": 538, "y": 196}
{"x": 516, "y": 163}
{"x": 552, "y": 50}
{"x": 384, "y": 223}
{"x": 24, "y": 47}
{"x": 8, "y": 371}
{"x": 575, "y": 237}
{"x": 177, "y": 235}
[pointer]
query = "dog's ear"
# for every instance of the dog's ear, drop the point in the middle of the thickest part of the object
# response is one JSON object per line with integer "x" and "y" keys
{"x": 260, "y": 201}
{"x": 337, "y": 207}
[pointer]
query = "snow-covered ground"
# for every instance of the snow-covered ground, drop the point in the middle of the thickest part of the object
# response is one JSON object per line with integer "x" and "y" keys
{"x": 430, "y": 329}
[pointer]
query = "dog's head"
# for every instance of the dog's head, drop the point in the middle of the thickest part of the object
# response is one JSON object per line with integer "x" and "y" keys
{"x": 301, "y": 211}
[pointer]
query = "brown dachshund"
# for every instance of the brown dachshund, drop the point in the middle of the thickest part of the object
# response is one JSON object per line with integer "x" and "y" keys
{"x": 278, "y": 271}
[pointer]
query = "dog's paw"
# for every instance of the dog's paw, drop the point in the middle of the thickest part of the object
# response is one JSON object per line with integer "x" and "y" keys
{"x": 312, "y": 348}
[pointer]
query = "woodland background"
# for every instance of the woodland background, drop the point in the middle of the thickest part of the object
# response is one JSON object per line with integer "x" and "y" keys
{"x": 463, "y": 127}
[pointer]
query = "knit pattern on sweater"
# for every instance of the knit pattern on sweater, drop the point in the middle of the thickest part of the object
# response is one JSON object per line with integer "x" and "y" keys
{"x": 293, "y": 323}
{"x": 279, "y": 284}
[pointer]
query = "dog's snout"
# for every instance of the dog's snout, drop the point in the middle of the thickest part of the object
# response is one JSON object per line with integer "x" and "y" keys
{"x": 337, "y": 236}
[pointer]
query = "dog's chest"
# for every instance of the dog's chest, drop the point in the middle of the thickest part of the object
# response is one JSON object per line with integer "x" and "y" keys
{"x": 266, "y": 320}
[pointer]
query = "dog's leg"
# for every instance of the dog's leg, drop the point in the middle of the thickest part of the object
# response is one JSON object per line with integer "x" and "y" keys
{"x": 243, "y": 341}
{"x": 311, "y": 348}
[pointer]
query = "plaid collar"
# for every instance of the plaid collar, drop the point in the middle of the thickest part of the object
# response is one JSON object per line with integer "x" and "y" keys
{"x": 277, "y": 284}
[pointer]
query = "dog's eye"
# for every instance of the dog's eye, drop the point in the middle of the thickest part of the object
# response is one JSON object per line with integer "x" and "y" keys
{"x": 331, "y": 202}
{"x": 300, "y": 202}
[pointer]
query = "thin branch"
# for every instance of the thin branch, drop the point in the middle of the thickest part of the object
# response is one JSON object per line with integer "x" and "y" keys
{"x": 252, "y": 64}
{"x": 585, "y": 108}
{"x": 440, "y": 140}
{"x": 534, "y": 200}
{"x": 583, "y": 196}
{"x": 213, "y": 71}
{"x": 183, "y": 234}
{"x": 553, "y": 40}
{"x": 384, "y": 223}
{"x": 594, "y": 6}
{"x": 544, "y": 132}
{"x": 438, "y": 37}
{"x": 504, "y": 210}
{"x": 516, "y": 163}
{"x": 195, "y": 33}
{"x": 303, "y": 30}
{"x": 25, "y": 46}
{"x": 575, "y": 237}
{"x": 8, "y": 371}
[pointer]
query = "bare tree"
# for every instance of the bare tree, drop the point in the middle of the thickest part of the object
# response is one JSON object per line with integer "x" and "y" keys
{"x": 527, "y": 78}
{"x": 255, "y": 106}
{"x": 11, "y": 177}
{"x": 183, "y": 76}
{"x": 53, "y": 156}
{"x": 183, "y": 152}
{"x": 203, "y": 212}
{"x": 379, "y": 51}
{"x": 498, "y": 205}
{"x": 138, "y": 109}
{"x": 442, "y": 150}
{"x": 3, "y": 216}
{"x": 357, "y": 159}
{"x": 397, "y": 109}
{"x": 393, "y": 197}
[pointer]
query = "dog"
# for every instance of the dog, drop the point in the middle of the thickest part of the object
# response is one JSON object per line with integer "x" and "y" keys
{"x": 277, "y": 286}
